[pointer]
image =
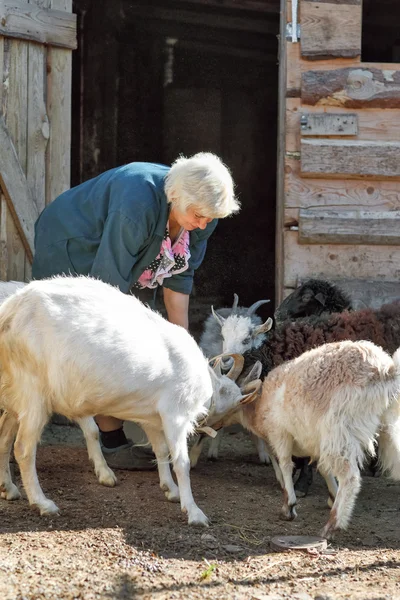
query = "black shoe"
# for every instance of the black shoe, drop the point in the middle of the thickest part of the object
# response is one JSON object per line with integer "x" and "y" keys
{"x": 130, "y": 458}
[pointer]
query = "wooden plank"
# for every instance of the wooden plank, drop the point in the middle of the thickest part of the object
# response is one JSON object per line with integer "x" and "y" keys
{"x": 339, "y": 262}
{"x": 324, "y": 124}
{"x": 296, "y": 66}
{"x": 280, "y": 182}
{"x": 15, "y": 94}
{"x": 3, "y": 238}
{"x": 327, "y": 194}
{"x": 254, "y": 24}
{"x": 318, "y": 226}
{"x": 363, "y": 86}
{"x": 330, "y": 29}
{"x": 38, "y": 122}
{"x": 29, "y": 22}
{"x": 59, "y": 69}
{"x": 353, "y": 158}
{"x": 373, "y": 123}
{"x": 16, "y": 190}
{"x": 267, "y": 6}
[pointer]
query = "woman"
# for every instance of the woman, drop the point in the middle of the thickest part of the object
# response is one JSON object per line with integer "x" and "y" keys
{"x": 137, "y": 227}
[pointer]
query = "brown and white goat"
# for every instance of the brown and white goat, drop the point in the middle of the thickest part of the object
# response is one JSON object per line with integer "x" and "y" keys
{"x": 330, "y": 404}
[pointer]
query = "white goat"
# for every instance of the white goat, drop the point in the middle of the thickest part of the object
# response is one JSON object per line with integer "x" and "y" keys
{"x": 229, "y": 331}
{"x": 79, "y": 347}
{"x": 7, "y": 288}
{"x": 330, "y": 404}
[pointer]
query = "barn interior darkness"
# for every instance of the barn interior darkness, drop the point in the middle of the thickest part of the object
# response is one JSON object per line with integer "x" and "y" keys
{"x": 381, "y": 31}
{"x": 153, "y": 79}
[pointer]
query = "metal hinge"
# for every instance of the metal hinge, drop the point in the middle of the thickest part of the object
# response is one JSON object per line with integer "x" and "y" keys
{"x": 289, "y": 32}
{"x": 293, "y": 28}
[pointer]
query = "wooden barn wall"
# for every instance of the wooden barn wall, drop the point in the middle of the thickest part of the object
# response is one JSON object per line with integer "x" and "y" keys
{"x": 342, "y": 175}
{"x": 35, "y": 109}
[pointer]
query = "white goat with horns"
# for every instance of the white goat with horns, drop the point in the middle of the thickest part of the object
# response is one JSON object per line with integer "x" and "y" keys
{"x": 79, "y": 347}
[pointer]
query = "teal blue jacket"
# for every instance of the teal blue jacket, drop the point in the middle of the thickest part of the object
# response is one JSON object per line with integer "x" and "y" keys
{"x": 111, "y": 227}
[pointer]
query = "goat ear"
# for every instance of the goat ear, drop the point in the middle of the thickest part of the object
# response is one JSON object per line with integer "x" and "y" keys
{"x": 263, "y": 328}
{"x": 253, "y": 374}
{"x": 255, "y": 386}
{"x": 217, "y": 317}
{"x": 321, "y": 298}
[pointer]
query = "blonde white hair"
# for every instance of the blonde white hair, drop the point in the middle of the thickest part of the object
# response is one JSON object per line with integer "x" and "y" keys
{"x": 204, "y": 182}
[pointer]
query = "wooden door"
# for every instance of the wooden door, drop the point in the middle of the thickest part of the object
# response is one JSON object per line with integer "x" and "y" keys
{"x": 36, "y": 41}
{"x": 340, "y": 176}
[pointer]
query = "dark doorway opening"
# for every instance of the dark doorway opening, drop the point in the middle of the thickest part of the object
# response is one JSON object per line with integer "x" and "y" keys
{"x": 380, "y": 31}
{"x": 154, "y": 79}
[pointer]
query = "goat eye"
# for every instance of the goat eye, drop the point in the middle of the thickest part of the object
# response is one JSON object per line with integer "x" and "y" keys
{"x": 247, "y": 340}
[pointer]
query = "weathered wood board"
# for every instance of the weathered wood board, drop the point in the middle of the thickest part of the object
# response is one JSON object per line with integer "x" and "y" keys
{"x": 338, "y": 261}
{"x": 352, "y": 87}
{"x": 374, "y": 124}
{"x": 330, "y": 29}
{"x": 318, "y": 226}
{"x": 21, "y": 20}
{"x": 355, "y": 158}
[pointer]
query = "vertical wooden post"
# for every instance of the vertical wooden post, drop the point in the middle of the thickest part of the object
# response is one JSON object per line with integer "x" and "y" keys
{"x": 280, "y": 191}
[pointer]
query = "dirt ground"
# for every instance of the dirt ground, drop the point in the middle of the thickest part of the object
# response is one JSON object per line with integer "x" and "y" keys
{"x": 129, "y": 542}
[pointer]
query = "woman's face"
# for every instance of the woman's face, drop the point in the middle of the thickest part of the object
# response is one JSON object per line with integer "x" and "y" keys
{"x": 191, "y": 219}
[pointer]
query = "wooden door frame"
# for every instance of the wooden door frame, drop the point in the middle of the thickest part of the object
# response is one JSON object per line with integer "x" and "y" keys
{"x": 281, "y": 149}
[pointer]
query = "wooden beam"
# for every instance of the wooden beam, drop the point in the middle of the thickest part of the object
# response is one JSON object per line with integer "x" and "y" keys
{"x": 30, "y": 22}
{"x": 361, "y": 87}
{"x": 216, "y": 21}
{"x": 354, "y": 158}
{"x": 267, "y": 6}
{"x": 349, "y": 227}
{"x": 281, "y": 150}
{"x": 15, "y": 188}
{"x": 330, "y": 29}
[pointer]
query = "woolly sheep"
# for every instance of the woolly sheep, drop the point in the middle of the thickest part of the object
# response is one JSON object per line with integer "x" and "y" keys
{"x": 79, "y": 347}
{"x": 313, "y": 297}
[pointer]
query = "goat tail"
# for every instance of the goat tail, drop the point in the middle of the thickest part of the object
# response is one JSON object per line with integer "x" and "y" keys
{"x": 389, "y": 435}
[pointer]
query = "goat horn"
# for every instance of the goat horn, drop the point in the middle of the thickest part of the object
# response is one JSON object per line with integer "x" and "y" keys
{"x": 235, "y": 303}
{"x": 251, "y": 396}
{"x": 217, "y": 317}
{"x": 217, "y": 366}
{"x": 236, "y": 369}
{"x": 256, "y": 305}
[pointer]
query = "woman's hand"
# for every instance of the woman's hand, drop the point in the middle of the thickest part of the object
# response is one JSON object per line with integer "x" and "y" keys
{"x": 177, "y": 306}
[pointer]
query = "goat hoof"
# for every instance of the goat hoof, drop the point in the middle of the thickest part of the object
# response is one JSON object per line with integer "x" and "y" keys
{"x": 212, "y": 457}
{"x": 288, "y": 513}
{"x": 198, "y": 518}
{"x": 172, "y": 495}
{"x": 11, "y": 494}
{"x": 108, "y": 479}
{"x": 48, "y": 508}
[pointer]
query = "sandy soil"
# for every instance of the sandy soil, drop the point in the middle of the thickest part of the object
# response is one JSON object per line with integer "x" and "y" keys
{"x": 129, "y": 542}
